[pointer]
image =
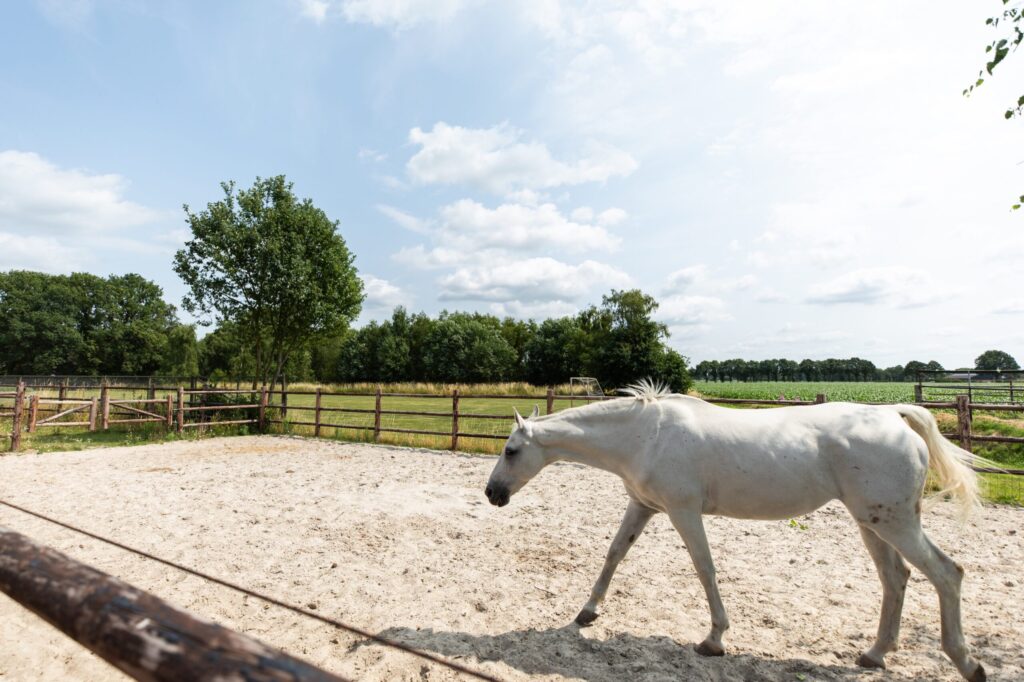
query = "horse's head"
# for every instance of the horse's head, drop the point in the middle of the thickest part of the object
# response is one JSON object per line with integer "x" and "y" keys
{"x": 520, "y": 461}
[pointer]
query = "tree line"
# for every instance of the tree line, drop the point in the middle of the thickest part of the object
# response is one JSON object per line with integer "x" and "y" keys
{"x": 120, "y": 325}
{"x": 833, "y": 369}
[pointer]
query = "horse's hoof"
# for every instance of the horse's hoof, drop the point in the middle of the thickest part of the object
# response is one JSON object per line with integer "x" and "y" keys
{"x": 586, "y": 617}
{"x": 866, "y": 661}
{"x": 705, "y": 649}
{"x": 979, "y": 674}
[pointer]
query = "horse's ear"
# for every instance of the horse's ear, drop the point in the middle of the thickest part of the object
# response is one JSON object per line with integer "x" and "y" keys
{"x": 520, "y": 422}
{"x": 536, "y": 412}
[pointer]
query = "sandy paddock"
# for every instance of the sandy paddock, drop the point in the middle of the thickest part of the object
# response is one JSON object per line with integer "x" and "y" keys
{"x": 402, "y": 542}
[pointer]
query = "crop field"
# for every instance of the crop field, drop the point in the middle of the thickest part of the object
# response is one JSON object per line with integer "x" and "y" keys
{"x": 854, "y": 391}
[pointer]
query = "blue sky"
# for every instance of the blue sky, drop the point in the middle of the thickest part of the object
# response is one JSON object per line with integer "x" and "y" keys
{"x": 797, "y": 179}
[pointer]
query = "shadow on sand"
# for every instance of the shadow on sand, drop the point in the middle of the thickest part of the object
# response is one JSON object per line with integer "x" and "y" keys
{"x": 565, "y": 651}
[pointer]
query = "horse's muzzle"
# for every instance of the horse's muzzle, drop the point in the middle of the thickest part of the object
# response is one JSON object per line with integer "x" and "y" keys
{"x": 497, "y": 495}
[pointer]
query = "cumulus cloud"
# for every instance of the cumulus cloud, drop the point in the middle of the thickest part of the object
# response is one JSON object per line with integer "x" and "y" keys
{"x": 46, "y": 254}
{"x": 530, "y": 280}
{"x": 496, "y": 160}
{"x": 314, "y": 9}
{"x": 684, "y": 278}
{"x": 406, "y": 220}
{"x": 897, "y": 286}
{"x": 1010, "y": 307}
{"x": 466, "y": 231}
{"x": 37, "y": 196}
{"x": 401, "y": 13}
{"x": 681, "y": 311}
{"x": 380, "y": 293}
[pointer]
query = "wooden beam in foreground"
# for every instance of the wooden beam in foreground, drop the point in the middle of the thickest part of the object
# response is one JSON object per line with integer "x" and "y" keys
{"x": 136, "y": 632}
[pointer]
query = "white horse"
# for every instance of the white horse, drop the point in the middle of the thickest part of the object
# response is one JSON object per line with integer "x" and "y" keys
{"x": 685, "y": 457}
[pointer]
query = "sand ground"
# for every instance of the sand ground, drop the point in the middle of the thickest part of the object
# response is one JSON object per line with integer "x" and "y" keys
{"x": 402, "y": 542}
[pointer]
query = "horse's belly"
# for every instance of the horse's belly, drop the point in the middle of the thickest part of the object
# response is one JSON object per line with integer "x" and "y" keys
{"x": 767, "y": 497}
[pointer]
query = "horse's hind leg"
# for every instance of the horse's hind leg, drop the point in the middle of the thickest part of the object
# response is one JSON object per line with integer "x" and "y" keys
{"x": 633, "y": 524}
{"x": 893, "y": 573}
{"x": 906, "y": 535}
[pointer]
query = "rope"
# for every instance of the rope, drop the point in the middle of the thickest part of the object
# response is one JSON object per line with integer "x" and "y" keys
{"x": 270, "y": 600}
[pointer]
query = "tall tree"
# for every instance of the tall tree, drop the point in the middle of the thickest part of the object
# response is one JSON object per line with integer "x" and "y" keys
{"x": 272, "y": 264}
{"x": 995, "y": 359}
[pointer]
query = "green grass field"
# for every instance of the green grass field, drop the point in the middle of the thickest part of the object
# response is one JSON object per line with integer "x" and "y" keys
{"x": 358, "y": 426}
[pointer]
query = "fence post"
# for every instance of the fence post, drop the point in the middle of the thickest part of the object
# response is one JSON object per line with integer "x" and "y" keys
{"x": 105, "y": 406}
{"x": 62, "y": 394}
{"x": 92, "y": 414}
{"x": 170, "y": 412}
{"x": 918, "y": 398}
{"x": 284, "y": 402}
{"x": 316, "y": 419}
{"x": 181, "y": 408}
{"x": 151, "y": 394}
{"x": 263, "y": 408}
{"x": 820, "y": 398}
{"x": 33, "y": 412}
{"x": 19, "y": 399}
{"x": 455, "y": 419}
{"x": 376, "y": 416}
{"x": 551, "y": 400}
{"x": 963, "y": 421}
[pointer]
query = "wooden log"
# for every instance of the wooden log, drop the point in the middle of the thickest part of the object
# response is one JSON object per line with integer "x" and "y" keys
{"x": 376, "y": 416}
{"x": 62, "y": 393}
{"x": 918, "y": 397}
{"x": 135, "y": 631}
{"x": 455, "y": 419}
{"x": 170, "y": 412}
{"x": 316, "y": 418}
{"x": 963, "y": 421}
{"x": 820, "y": 398}
{"x": 19, "y": 400}
{"x": 33, "y": 412}
{"x": 550, "y": 401}
{"x": 92, "y": 415}
{"x": 181, "y": 408}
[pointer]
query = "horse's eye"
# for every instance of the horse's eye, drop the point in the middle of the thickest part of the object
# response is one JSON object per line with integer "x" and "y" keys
{"x": 510, "y": 452}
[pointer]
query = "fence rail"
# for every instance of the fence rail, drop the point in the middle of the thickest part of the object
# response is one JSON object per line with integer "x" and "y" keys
{"x": 184, "y": 409}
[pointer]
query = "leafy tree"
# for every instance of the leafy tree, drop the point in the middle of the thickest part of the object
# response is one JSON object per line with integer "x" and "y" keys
{"x": 464, "y": 349}
{"x": 182, "y": 356}
{"x": 995, "y": 359}
{"x": 1010, "y": 34}
{"x": 82, "y": 324}
{"x": 273, "y": 265}
{"x": 553, "y": 352}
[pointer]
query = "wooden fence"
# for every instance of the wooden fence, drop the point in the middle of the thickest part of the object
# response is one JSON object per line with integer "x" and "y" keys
{"x": 135, "y": 631}
{"x": 181, "y": 409}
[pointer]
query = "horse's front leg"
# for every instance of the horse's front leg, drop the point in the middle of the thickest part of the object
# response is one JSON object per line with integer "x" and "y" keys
{"x": 690, "y": 526}
{"x": 633, "y": 524}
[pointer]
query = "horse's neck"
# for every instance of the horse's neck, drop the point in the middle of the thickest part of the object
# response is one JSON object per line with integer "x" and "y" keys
{"x": 594, "y": 438}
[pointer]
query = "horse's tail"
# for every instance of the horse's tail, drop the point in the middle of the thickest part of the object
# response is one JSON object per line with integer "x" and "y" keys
{"x": 950, "y": 464}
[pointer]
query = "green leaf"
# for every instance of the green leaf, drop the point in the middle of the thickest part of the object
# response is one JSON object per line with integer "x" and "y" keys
{"x": 1008, "y": 114}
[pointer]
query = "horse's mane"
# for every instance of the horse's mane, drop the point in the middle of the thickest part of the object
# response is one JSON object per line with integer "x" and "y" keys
{"x": 647, "y": 390}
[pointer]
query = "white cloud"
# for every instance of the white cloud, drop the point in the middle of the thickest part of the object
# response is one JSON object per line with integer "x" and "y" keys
{"x": 537, "y": 310}
{"x": 314, "y": 9}
{"x": 46, "y": 254}
{"x": 611, "y": 217}
{"x": 531, "y": 280}
{"x": 769, "y": 295}
{"x": 681, "y": 311}
{"x": 37, "y": 196}
{"x": 684, "y": 278}
{"x": 494, "y": 159}
{"x": 366, "y": 154}
{"x": 897, "y": 286}
{"x": 1010, "y": 307}
{"x": 380, "y": 293}
{"x": 406, "y": 220}
{"x": 401, "y": 13}
{"x": 467, "y": 231}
